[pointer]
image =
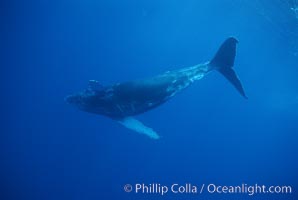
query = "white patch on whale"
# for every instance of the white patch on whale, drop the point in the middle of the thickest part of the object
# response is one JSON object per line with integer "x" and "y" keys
{"x": 134, "y": 124}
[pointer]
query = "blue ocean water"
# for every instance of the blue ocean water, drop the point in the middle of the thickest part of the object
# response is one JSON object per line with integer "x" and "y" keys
{"x": 210, "y": 134}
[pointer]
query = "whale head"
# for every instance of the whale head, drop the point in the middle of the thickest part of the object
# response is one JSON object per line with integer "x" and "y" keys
{"x": 78, "y": 100}
{"x": 73, "y": 99}
{"x": 92, "y": 101}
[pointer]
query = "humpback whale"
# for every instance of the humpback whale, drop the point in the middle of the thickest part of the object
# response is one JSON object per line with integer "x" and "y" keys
{"x": 122, "y": 101}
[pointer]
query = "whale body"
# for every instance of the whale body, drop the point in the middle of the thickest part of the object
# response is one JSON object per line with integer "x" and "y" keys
{"x": 122, "y": 101}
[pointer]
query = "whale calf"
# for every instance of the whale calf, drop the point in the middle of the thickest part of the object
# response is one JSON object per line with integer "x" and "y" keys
{"x": 122, "y": 101}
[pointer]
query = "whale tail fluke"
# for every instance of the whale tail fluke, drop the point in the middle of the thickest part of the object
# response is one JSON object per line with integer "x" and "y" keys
{"x": 223, "y": 62}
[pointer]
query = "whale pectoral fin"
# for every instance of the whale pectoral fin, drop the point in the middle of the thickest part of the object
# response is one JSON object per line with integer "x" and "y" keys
{"x": 135, "y": 125}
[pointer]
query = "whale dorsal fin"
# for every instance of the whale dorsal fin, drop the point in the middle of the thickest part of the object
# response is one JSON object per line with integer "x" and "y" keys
{"x": 95, "y": 85}
{"x": 139, "y": 127}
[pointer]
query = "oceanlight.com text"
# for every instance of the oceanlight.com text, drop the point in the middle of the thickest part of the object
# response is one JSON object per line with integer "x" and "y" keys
{"x": 190, "y": 188}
